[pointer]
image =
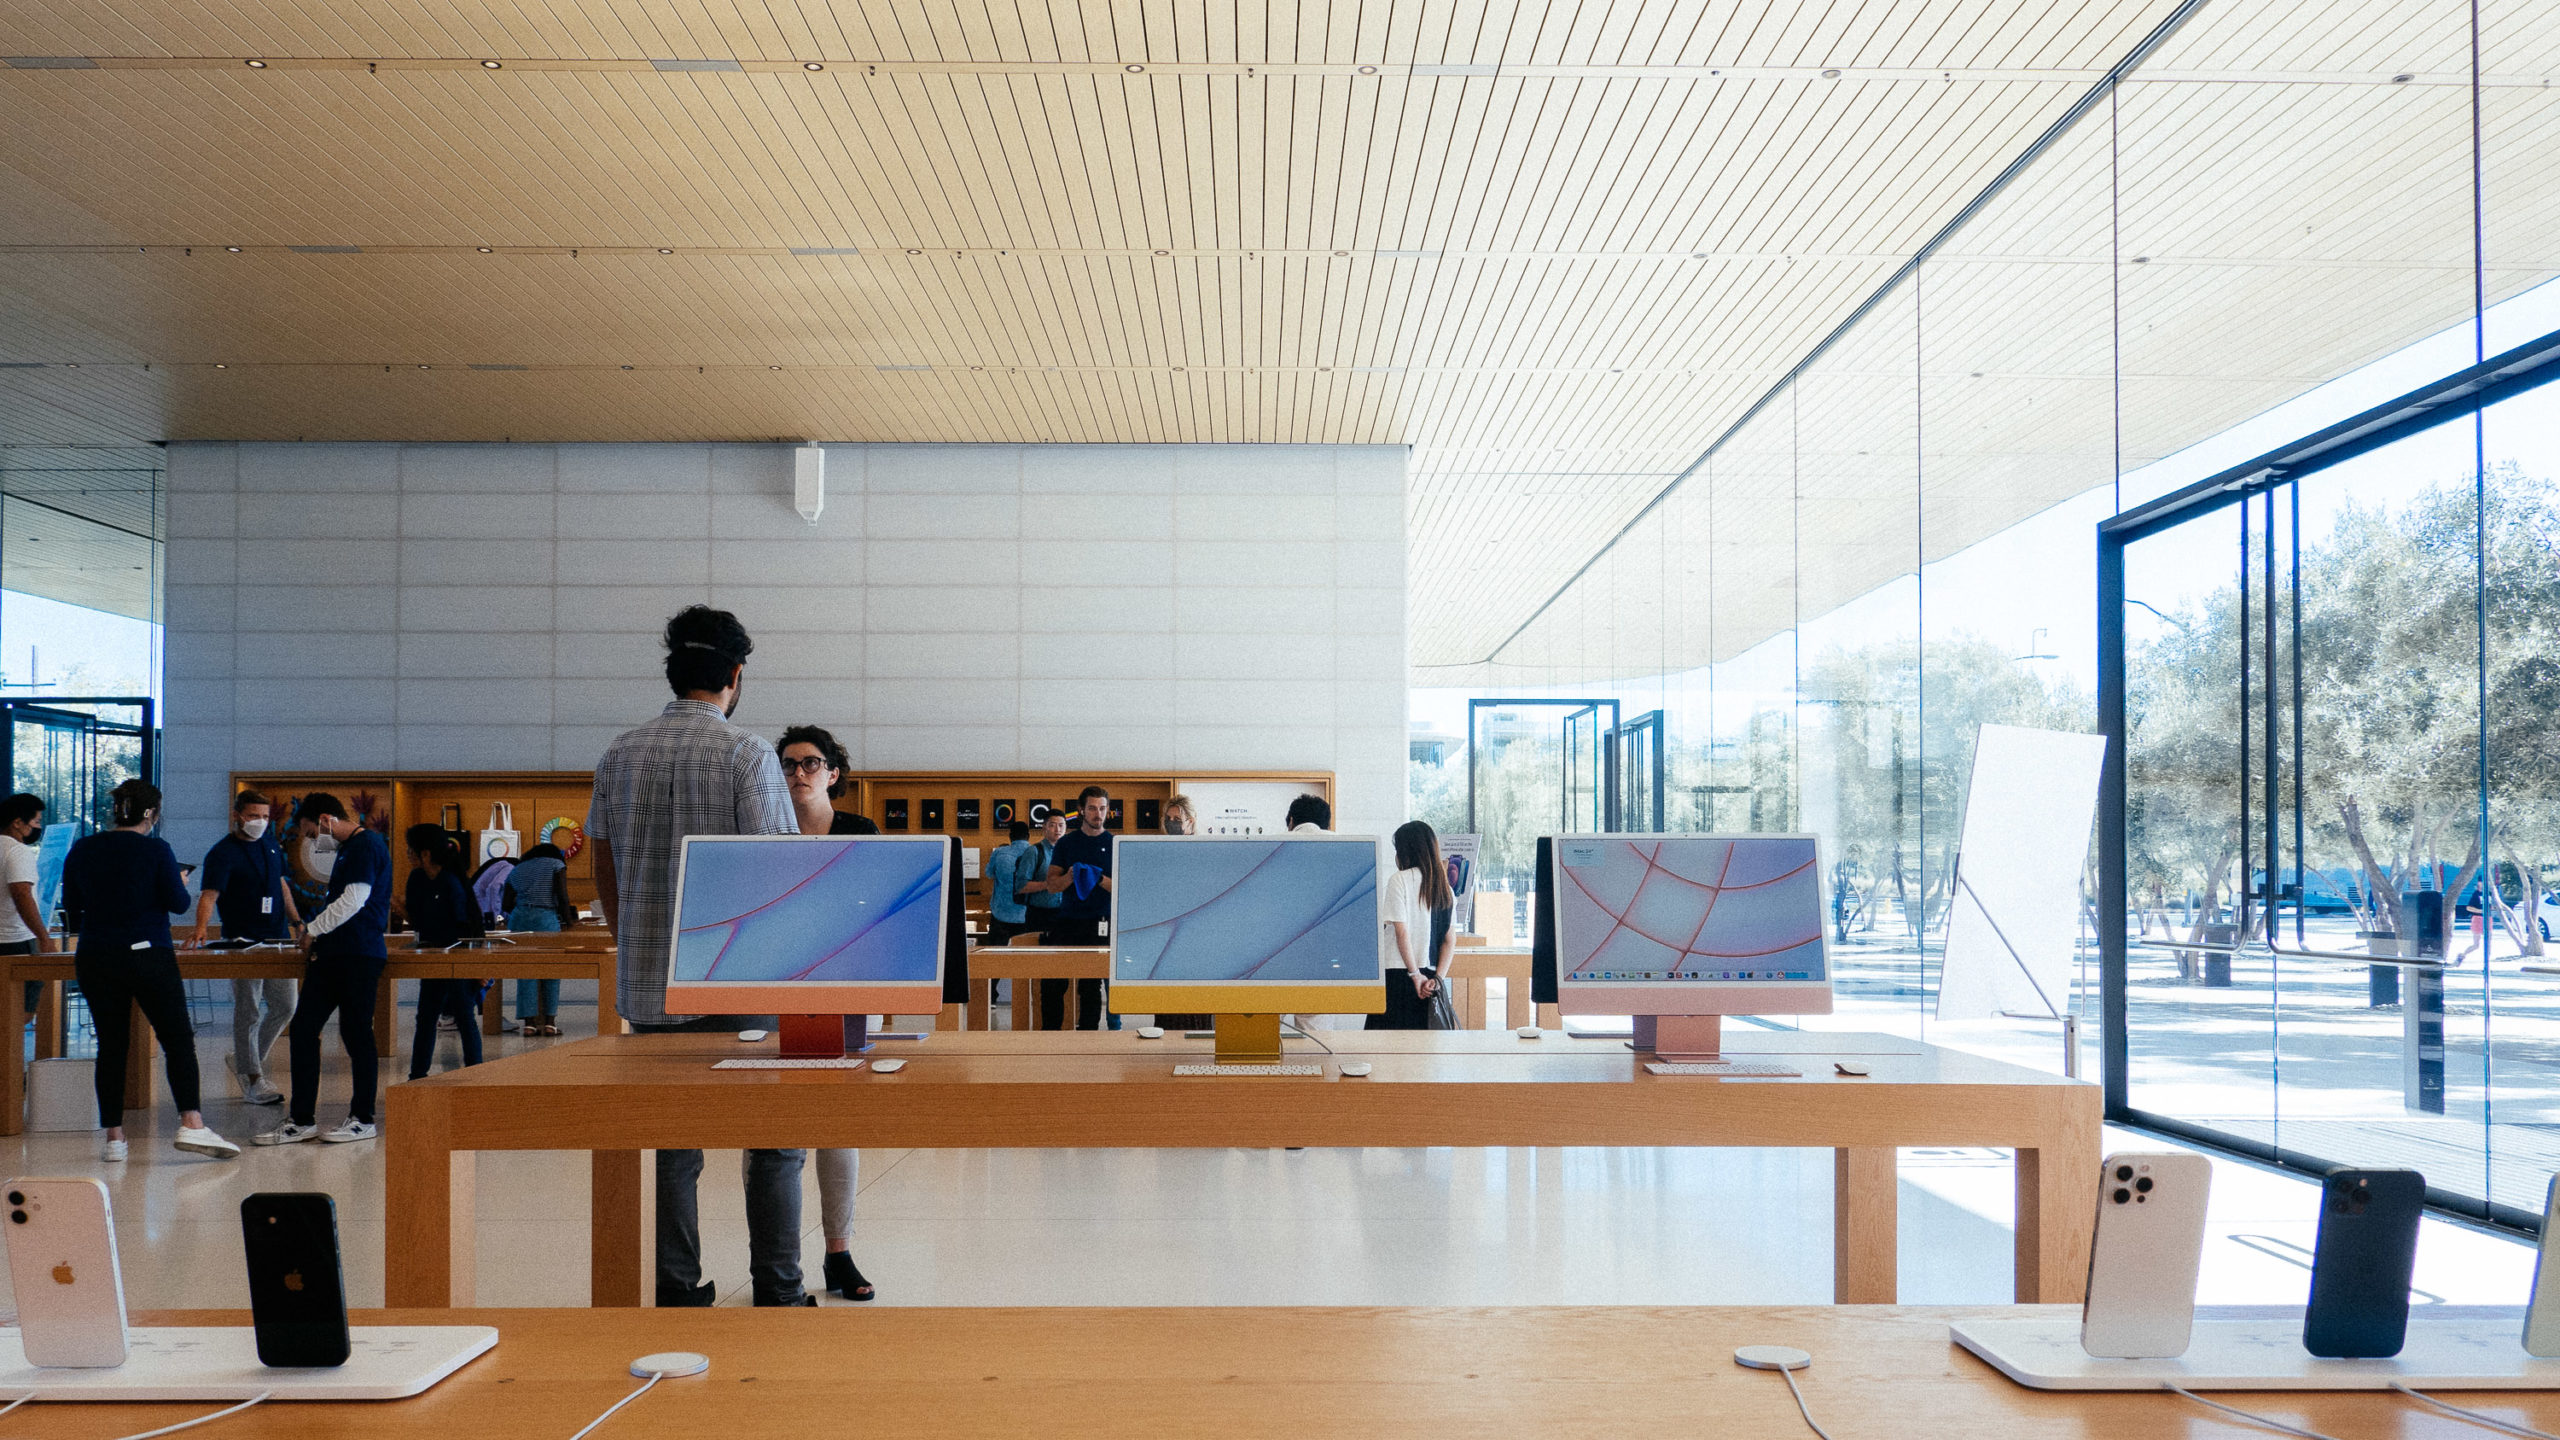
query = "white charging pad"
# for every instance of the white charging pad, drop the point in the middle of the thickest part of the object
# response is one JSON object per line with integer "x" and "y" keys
{"x": 669, "y": 1363}
{"x": 1771, "y": 1357}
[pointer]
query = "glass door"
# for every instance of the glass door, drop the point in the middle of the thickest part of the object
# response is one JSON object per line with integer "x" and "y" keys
{"x": 1587, "y": 798}
{"x": 1636, "y": 755}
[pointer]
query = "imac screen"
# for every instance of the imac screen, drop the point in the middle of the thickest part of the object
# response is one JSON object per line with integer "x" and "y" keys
{"x": 821, "y": 909}
{"x": 1256, "y": 911}
{"x": 1689, "y": 908}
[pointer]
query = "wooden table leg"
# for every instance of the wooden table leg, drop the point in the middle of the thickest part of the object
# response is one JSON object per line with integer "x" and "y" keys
{"x": 430, "y": 1243}
{"x": 13, "y": 1065}
{"x": 953, "y": 1017}
{"x": 615, "y": 1242}
{"x": 53, "y": 1019}
{"x": 980, "y": 1002}
{"x": 1516, "y": 1009}
{"x": 2057, "y": 1223}
{"x": 1864, "y": 1217}
{"x": 493, "y": 1011}
{"x": 137, "y": 1061}
{"x": 1549, "y": 1018}
{"x": 1023, "y": 1013}
{"x": 1071, "y": 1015}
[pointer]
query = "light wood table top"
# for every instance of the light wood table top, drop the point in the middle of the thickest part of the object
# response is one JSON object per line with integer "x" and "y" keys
{"x": 1283, "y": 1373}
{"x": 620, "y": 1095}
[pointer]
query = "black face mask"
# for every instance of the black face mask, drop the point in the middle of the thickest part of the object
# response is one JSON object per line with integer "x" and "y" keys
{"x": 35, "y": 836}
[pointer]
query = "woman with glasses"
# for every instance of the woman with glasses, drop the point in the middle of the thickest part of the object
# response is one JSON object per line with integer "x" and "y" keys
{"x": 813, "y": 766}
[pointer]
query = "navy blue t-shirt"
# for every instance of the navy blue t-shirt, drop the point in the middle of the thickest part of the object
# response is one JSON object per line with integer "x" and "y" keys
{"x": 1078, "y": 848}
{"x": 362, "y": 860}
{"x": 119, "y": 888}
{"x": 243, "y": 873}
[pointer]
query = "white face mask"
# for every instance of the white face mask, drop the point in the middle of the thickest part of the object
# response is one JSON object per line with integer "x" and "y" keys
{"x": 252, "y": 829}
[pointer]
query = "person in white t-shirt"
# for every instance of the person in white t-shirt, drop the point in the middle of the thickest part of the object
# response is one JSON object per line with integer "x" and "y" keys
{"x": 1419, "y": 904}
{"x": 22, "y": 929}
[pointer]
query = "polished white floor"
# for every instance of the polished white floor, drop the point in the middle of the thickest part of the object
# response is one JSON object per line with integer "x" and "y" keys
{"x": 1229, "y": 1227}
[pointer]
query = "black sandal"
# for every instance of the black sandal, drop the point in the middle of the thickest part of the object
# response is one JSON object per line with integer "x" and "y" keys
{"x": 845, "y": 1278}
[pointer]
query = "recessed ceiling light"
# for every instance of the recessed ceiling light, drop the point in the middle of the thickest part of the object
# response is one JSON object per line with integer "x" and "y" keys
{"x": 1830, "y": 74}
{"x": 1136, "y": 69}
{"x": 915, "y": 252}
{"x": 218, "y": 365}
{"x": 663, "y": 250}
{"x": 1368, "y": 69}
{"x": 485, "y": 250}
{"x": 811, "y": 65}
{"x": 234, "y": 249}
{"x": 773, "y": 367}
{"x": 490, "y": 65}
{"x": 2402, "y": 79}
{"x": 626, "y": 367}
{"x": 255, "y": 64}
{"x": 426, "y": 367}
{"x": 2141, "y": 259}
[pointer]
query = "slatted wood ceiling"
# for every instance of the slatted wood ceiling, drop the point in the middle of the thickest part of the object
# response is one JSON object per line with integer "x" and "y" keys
{"x": 1554, "y": 246}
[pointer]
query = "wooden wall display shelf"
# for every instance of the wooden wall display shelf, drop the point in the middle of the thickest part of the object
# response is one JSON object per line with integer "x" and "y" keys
{"x": 619, "y": 1096}
{"x": 898, "y": 801}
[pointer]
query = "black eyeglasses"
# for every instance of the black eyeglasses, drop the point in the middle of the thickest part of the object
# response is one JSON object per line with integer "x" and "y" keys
{"x": 806, "y": 764}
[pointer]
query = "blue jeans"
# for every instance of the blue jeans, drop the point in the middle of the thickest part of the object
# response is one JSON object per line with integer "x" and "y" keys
{"x": 535, "y": 997}
{"x": 773, "y": 1200}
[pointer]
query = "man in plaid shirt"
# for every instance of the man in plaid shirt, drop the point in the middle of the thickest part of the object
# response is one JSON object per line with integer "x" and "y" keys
{"x": 691, "y": 772}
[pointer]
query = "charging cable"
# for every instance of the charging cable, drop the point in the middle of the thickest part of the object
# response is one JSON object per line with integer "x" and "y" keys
{"x": 2254, "y": 1419}
{"x": 1786, "y": 1360}
{"x": 654, "y": 1378}
{"x": 199, "y": 1420}
{"x": 14, "y": 1404}
{"x": 2474, "y": 1416}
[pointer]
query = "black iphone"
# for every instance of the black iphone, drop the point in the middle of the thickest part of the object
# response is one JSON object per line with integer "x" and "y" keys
{"x": 2362, "y": 1263}
{"x": 297, "y": 1297}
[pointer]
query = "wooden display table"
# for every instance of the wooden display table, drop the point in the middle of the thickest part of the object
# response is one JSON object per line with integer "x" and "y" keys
{"x": 1026, "y": 966}
{"x": 1298, "y": 1373}
{"x": 572, "y": 955}
{"x": 619, "y": 1096}
{"x": 1471, "y": 965}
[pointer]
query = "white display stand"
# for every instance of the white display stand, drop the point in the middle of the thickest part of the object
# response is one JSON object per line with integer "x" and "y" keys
{"x": 2264, "y": 1354}
{"x": 388, "y": 1362}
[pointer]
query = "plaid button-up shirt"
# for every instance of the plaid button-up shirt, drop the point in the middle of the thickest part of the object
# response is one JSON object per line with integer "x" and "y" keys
{"x": 688, "y": 772}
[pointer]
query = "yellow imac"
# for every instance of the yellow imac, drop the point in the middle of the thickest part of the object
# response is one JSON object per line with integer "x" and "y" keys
{"x": 1247, "y": 927}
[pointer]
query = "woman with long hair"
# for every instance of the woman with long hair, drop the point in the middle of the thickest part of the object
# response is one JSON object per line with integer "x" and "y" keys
{"x": 1419, "y": 904}
{"x": 813, "y": 767}
{"x": 120, "y": 887}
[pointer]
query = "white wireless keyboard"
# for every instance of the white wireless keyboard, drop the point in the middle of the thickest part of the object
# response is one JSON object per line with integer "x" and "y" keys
{"x": 1248, "y": 1069}
{"x": 1675, "y": 1067}
{"x": 840, "y": 1062}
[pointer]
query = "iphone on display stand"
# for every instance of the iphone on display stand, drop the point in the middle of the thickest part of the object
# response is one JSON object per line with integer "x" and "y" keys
{"x": 2362, "y": 1263}
{"x": 297, "y": 1294}
{"x": 2542, "y": 1312}
{"x": 62, "y": 1264}
{"x": 2145, "y": 1257}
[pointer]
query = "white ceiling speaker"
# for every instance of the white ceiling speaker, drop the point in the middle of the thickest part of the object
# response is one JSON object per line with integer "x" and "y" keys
{"x": 809, "y": 481}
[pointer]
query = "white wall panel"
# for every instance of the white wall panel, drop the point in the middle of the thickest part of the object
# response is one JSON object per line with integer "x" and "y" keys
{"x": 971, "y": 606}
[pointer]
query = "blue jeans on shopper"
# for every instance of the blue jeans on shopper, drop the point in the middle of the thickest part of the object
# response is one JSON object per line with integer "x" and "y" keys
{"x": 773, "y": 1202}
{"x": 535, "y": 997}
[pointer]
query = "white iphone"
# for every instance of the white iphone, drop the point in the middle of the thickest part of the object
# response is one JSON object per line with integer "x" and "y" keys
{"x": 2147, "y": 1252}
{"x": 62, "y": 1265}
{"x": 2542, "y": 1312}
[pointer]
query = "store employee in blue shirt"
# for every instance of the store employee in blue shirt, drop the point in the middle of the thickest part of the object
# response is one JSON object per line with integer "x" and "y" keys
{"x": 1080, "y": 876}
{"x": 243, "y": 886}
{"x": 346, "y": 957}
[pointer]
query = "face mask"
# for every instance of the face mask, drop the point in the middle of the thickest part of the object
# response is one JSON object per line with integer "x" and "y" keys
{"x": 253, "y": 829}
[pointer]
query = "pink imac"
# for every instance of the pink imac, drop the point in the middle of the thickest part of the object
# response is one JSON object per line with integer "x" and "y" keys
{"x": 1682, "y": 930}
{"x": 824, "y": 931}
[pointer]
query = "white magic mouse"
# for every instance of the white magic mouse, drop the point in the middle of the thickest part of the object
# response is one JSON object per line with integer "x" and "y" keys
{"x": 1528, "y": 1032}
{"x": 749, "y": 1037}
{"x": 1356, "y": 1069}
{"x": 1150, "y": 1032}
{"x": 887, "y": 1067}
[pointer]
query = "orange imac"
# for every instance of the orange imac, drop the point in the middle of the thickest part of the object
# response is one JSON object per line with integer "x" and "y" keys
{"x": 823, "y": 930}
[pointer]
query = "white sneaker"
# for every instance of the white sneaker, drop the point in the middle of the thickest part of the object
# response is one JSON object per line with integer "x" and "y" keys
{"x": 113, "y": 1152}
{"x": 199, "y": 1140}
{"x": 287, "y": 1133}
{"x": 353, "y": 1129}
